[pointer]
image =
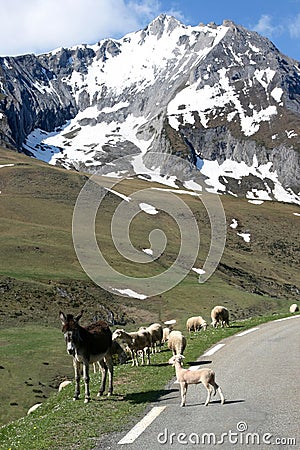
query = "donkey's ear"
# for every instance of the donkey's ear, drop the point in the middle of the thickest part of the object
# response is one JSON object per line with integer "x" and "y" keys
{"x": 62, "y": 318}
{"x": 79, "y": 316}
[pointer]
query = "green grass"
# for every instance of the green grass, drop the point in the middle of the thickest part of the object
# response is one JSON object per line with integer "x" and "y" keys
{"x": 62, "y": 424}
{"x": 32, "y": 359}
{"x": 40, "y": 275}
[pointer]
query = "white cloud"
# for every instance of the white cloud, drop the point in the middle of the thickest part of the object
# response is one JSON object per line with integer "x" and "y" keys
{"x": 294, "y": 27}
{"x": 36, "y": 26}
{"x": 264, "y": 26}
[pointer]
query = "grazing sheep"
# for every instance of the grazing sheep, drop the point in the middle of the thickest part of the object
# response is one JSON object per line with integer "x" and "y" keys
{"x": 220, "y": 315}
{"x": 118, "y": 353}
{"x": 185, "y": 377}
{"x": 33, "y": 408}
{"x": 294, "y": 308}
{"x": 136, "y": 341}
{"x": 195, "y": 324}
{"x": 156, "y": 332}
{"x": 166, "y": 332}
{"x": 63, "y": 384}
{"x": 176, "y": 342}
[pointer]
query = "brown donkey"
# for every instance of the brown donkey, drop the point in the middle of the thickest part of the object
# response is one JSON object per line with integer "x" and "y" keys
{"x": 88, "y": 345}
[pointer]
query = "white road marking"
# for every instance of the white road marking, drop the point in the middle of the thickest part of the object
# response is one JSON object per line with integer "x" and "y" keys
{"x": 287, "y": 318}
{"x": 246, "y": 332}
{"x": 138, "y": 429}
{"x": 213, "y": 350}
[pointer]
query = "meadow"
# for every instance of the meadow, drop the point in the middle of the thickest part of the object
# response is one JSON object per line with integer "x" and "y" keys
{"x": 40, "y": 275}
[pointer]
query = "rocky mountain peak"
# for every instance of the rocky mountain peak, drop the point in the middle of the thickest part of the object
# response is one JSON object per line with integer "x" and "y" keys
{"x": 220, "y": 95}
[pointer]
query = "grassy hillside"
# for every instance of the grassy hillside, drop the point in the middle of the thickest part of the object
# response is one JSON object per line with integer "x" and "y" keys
{"x": 40, "y": 273}
{"x": 62, "y": 424}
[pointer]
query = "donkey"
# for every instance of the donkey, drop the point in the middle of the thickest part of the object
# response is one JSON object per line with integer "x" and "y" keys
{"x": 88, "y": 345}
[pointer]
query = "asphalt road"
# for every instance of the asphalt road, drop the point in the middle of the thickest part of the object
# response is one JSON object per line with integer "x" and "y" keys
{"x": 259, "y": 375}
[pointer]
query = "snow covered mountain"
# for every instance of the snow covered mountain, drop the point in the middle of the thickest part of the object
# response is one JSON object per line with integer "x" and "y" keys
{"x": 221, "y": 96}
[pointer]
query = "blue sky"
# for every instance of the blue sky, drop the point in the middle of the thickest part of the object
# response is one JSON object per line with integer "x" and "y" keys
{"x": 37, "y": 26}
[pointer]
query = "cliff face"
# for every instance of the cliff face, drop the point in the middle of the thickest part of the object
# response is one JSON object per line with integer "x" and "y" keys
{"x": 222, "y": 96}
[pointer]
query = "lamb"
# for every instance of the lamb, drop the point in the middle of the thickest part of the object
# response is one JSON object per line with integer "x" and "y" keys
{"x": 195, "y": 324}
{"x": 294, "y": 308}
{"x": 220, "y": 315}
{"x": 185, "y": 377}
{"x": 156, "y": 332}
{"x": 176, "y": 342}
{"x": 136, "y": 341}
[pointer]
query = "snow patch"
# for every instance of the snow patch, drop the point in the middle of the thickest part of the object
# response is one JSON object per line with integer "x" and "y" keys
{"x": 229, "y": 168}
{"x": 216, "y": 97}
{"x": 290, "y": 134}
{"x": 245, "y": 236}
{"x": 148, "y": 251}
{"x": 256, "y": 202}
{"x": 234, "y": 224}
{"x": 122, "y": 196}
{"x": 131, "y": 293}
{"x": 199, "y": 271}
{"x": 6, "y": 165}
{"x": 148, "y": 209}
{"x": 277, "y": 94}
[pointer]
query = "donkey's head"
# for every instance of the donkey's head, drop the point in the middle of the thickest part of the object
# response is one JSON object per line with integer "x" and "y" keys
{"x": 71, "y": 330}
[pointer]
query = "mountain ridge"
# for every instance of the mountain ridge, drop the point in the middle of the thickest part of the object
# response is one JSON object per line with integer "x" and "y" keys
{"x": 219, "y": 95}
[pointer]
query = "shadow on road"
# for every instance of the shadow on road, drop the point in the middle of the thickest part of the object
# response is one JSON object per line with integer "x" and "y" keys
{"x": 197, "y": 363}
{"x": 213, "y": 402}
{"x": 147, "y": 396}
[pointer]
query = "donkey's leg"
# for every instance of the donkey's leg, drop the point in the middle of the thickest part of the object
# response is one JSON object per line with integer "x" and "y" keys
{"x": 76, "y": 366}
{"x": 148, "y": 355}
{"x": 110, "y": 366}
{"x": 103, "y": 369}
{"x": 86, "y": 378}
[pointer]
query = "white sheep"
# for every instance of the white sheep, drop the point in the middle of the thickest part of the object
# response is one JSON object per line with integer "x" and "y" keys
{"x": 220, "y": 315}
{"x": 33, "y": 408}
{"x": 166, "y": 332}
{"x": 63, "y": 384}
{"x": 136, "y": 341}
{"x": 195, "y": 324}
{"x": 185, "y": 377}
{"x": 156, "y": 332}
{"x": 176, "y": 342}
{"x": 294, "y": 308}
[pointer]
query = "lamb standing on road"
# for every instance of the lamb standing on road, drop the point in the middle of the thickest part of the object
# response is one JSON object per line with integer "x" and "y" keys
{"x": 195, "y": 324}
{"x": 220, "y": 315}
{"x": 176, "y": 342}
{"x": 185, "y": 377}
{"x": 136, "y": 341}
